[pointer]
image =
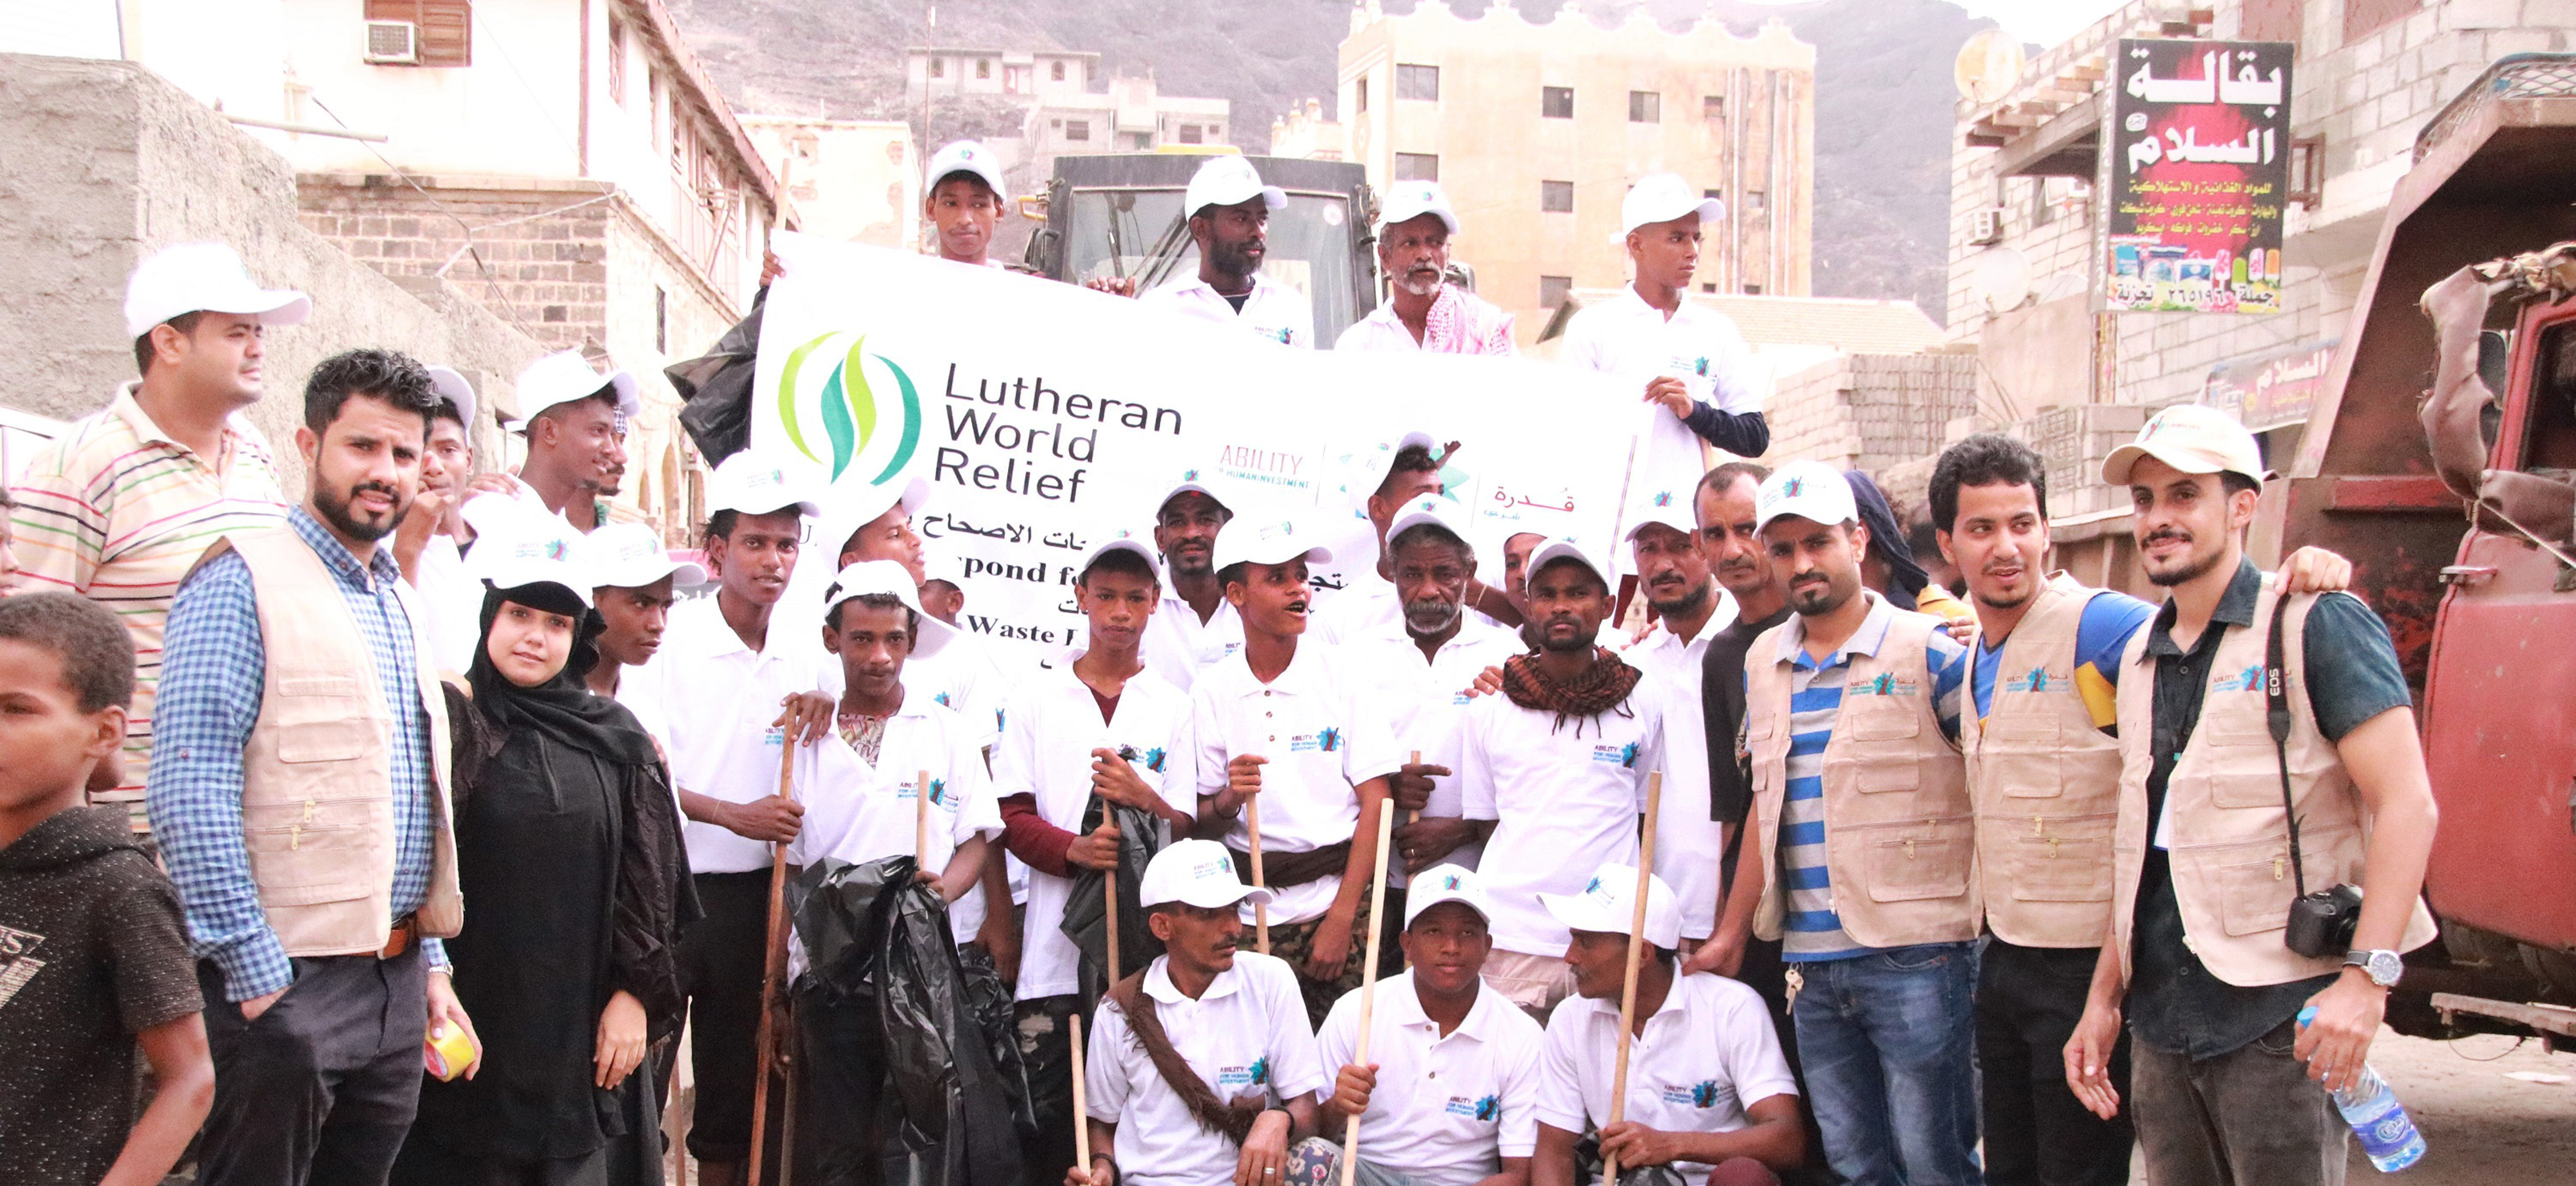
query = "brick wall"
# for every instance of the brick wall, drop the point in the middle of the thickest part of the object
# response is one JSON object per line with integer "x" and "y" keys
{"x": 1869, "y": 411}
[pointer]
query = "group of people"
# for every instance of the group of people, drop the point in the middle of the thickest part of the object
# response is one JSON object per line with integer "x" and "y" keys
{"x": 448, "y": 768}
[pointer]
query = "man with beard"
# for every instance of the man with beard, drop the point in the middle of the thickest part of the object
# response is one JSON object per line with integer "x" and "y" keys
{"x": 430, "y": 543}
{"x": 1229, "y": 212}
{"x": 1553, "y": 771}
{"x": 1100, "y": 726}
{"x": 1423, "y": 313}
{"x": 1450, "y": 1092}
{"x": 574, "y": 419}
{"x": 1295, "y": 726}
{"x": 2259, "y": 731}
{"x": 1689, "y": 608}
{"x": 717, "y": 688}
{"x": 299, "y": 795}
{"x": 1201, "y": 1067}
{"x": 1369, "y": 603}
{"x": 637, "y": 583}
{"x": 1864, "y": 846}
{"x": 1424, "y": 664}
{"x": 1196, "y": 626}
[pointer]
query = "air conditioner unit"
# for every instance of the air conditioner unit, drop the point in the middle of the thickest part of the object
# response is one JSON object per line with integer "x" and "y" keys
{"x": 393, "y": 43}
{"x": 1986, "y": 226}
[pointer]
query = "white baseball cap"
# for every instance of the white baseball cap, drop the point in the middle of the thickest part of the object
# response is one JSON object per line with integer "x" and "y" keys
{"x": 1122, "y": 543}
{"x": 857, "y": 508}
{"x": 2193, "y": 438}
{"x": 563, "y": 377}
{"x": 449, "y": 383}
{"x": 1608, "y": 906}
{"x": 893, "y": 580}
{"x": 965, "y": 156}
{"x": 1225, "y": 181}
{"x": 629, "y": 556}
{"x": 1409, "y": 200}
{"x": 1446, "y": 883}
{"x": 1189, "y": 484}
{"x": 203, "y": 278}
{"x": 1563, "y": 549}
{"x": 1663, "y": 197}
{"x": 1670, "y": 514}
{"x": 1434, "y": 510}
{"x": 751, "y": 484}
{"x": 1195, "y": 873}
{"x": 545, "y": 550}
{"x": 1810, "y": 490}
{"x": 1269, "y": 541}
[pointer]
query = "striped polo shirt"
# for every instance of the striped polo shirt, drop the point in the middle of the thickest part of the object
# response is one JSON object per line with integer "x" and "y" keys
{"x": 1813, "y": 930}
{"x": 116, "y": 511}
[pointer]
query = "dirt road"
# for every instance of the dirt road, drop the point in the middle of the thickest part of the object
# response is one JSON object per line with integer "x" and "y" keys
{"x": 2480, "y": 1128}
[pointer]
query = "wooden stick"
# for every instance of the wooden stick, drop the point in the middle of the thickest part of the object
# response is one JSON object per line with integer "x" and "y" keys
{"x": 921, "y": 821}
{"x": 1368, "y": 977}
{"x": 1410, "y": 817}
{"x": 1081, "y": 1108}
{"x": 1109, "y": 890}
{"x": 1636, "y": 956}
{"x": 1260, "y": 910}
{"x": 775, "y": 966}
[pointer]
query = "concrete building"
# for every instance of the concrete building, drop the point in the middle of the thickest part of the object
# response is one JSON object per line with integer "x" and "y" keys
{"x": 852, "y": 179}
{"x": 1536, "y": 128}
{"x": 2368, "y": 75}
{"x": 564, "y": 162}
{"x": 1133, "y": 115}
{"x": 933, "y": 74}
{"x": 1304, "y": 134}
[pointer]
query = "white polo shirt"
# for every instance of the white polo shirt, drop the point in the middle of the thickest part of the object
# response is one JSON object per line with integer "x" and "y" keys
{"x": 1447, "y": 1110}
{"x": 1368, "y": 607}
{"x": 1634, "y": 342}
{"x": 1178, "y": 646}
{"x": 1274, "y": 312}
{"x": 715, "y": 699}
{"x": 964, "y": 678}
{"x": 1565, "y": 795}
{"x": 1049, "y": 729}
{"x": 1686, "y": 839}
{"x": 858, "y": 812}
{"x": 1246, "y": 1034}
{"x": 490, "y": 512}
{"x": 1426, "y": 705}
{"x": 451, "y": 598}
{"x": 1324, "y": 732}
{"x": 1706, "y": 1055}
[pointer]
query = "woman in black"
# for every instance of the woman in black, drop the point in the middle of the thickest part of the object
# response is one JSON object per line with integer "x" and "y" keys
{"x": 569, "y": 853}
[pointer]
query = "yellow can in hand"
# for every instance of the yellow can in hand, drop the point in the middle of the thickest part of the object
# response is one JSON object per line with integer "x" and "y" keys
{"x": 447, "y": 1055}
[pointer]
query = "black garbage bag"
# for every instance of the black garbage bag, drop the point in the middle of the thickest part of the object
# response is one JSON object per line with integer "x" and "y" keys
{"x": 878, "y": 941}
{"x": 996, "y": 1016}
{"x": 1086, "y": 909}
{"x": 715, "y": 388}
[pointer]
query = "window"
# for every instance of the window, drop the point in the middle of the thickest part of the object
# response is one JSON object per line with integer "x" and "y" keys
{"x": 1140, "y": 142}
{"x": 1417, "y": 82}
{"x": 617, "y": 61}
{"x": 1556, "y": 102}
{"x": 1552, "y": 290}
{"x": 1753, "y": 290}
{"x": 1077, "y": 129}
{"x": 1645, "y": 107}
{"x": 445, "y": 28}
{"x": 661, "y": 320}
{"x": 1712, "y": 108}
{"x": 938, "y": 67}
{"x": 983, "y": 67}
{"x": 1190, "y": 134}
{"x": 1753, "y": 201}
{"x": 1556, "y": 197}
{"x": 1417, "y": 166}
{"x": 2307, "y": 171}
{"x": 1359, "y": 95}
{"x": 1055, "y": 72}
{"x": 1708, "y": 288}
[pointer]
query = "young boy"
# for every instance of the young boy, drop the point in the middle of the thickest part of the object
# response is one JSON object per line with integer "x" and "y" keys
{"x": 93, "y": 963}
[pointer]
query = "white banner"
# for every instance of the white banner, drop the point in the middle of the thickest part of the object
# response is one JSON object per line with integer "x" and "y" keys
{"x": 1048, "y": 418}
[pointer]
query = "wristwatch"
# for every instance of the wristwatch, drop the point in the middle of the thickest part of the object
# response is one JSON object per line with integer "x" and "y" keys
{"x": 2383, "y": 966}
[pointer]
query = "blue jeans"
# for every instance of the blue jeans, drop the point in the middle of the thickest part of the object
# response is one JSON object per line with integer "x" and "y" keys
{"x": 1888, "y": 1041}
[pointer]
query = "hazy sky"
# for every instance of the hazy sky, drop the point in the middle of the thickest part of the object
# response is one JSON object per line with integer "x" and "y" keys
{"x": 2041, "y": 22}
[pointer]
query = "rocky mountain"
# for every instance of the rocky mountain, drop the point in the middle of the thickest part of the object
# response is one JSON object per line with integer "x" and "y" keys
{"x": 1883, "y": 105}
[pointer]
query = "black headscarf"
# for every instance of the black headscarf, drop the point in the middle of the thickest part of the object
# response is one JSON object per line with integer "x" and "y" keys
{"x": 1905, "y": 578}
{"x": 562, "y": 707}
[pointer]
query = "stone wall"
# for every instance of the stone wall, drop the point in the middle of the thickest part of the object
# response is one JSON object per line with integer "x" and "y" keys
{"x": 1869, "y": 411}
{"x": 109, "y": 163}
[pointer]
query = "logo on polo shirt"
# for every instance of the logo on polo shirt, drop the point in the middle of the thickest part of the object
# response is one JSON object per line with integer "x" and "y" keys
{"x": 942, "y": 699}
{"x": 824, "y": 393}
{"x": 1151, "y": 759}
{"x": 1884, "y": 684}
{"x": 939, "y": 796}
{"x": 1702, "y": 1094}
{"x": 1325, "y": 741}
{"x": 1283, "y": 336}
{"x": 2040, "y": 679}
{"x": 1488, "y": 1108}
{"x": 2248, "y": 680}
{"x": 1622, "y": 756}
{"x": 1252, "y": 1076}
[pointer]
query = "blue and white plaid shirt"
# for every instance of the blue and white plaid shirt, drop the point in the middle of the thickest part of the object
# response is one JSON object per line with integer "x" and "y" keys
{"x": 212, "y": 674}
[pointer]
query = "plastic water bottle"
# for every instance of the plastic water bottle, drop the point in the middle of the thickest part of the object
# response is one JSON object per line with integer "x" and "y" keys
{"x": 2370, "y": 1106}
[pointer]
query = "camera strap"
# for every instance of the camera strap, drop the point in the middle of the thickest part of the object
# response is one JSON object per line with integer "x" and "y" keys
{"x": 2276, "y": 701}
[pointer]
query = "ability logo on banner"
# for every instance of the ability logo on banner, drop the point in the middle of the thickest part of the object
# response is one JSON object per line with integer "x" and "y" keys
{"x": 846, "y": 407}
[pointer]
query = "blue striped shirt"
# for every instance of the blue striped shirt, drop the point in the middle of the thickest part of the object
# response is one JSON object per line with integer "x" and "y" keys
{"x": 213, "y": 668}
{"x": 1814, "y": 931}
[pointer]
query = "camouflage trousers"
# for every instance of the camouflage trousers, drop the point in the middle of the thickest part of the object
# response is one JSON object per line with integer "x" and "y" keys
{"x": 1294, "y": 942}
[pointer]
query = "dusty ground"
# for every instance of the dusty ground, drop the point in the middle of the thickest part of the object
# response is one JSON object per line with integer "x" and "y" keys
{"x": 2480, "y": 1128}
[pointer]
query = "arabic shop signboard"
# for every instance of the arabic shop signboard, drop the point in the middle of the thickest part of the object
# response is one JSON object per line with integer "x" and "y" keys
{"x": 2271, "y": 389}
{"x": 2198, "y": 161}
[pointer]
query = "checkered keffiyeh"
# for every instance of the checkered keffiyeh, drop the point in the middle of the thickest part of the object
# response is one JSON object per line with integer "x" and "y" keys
{"x": 1461, "y": 324}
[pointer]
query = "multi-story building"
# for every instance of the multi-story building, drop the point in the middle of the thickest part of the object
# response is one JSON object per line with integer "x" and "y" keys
{"x": 565, "y": 162}
{"x": 1304, "y": 134}
{"x": 2367, "y": 76}
{"x": 857, "y": 180}
{"x": 1535, "y": 130}
{"x": 934, "y": 74}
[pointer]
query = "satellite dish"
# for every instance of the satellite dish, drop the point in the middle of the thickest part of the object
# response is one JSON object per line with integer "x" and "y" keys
{"x": 1988, "y": 66}
{"x": 2001, "y": 276}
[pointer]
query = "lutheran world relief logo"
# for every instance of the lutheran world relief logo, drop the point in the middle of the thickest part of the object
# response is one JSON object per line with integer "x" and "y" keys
{"x": 827, "y": 403}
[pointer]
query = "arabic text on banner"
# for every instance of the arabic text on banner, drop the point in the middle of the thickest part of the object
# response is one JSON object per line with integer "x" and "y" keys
{"x": 2199, "y": 164}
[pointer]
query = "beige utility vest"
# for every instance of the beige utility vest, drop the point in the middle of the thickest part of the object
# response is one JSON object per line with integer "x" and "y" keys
{"x": 2230, "y": 842}
{"x": 1899, "y": 832}
{"x": 317, "y": 773}
{"x": 2046, "y": 783}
